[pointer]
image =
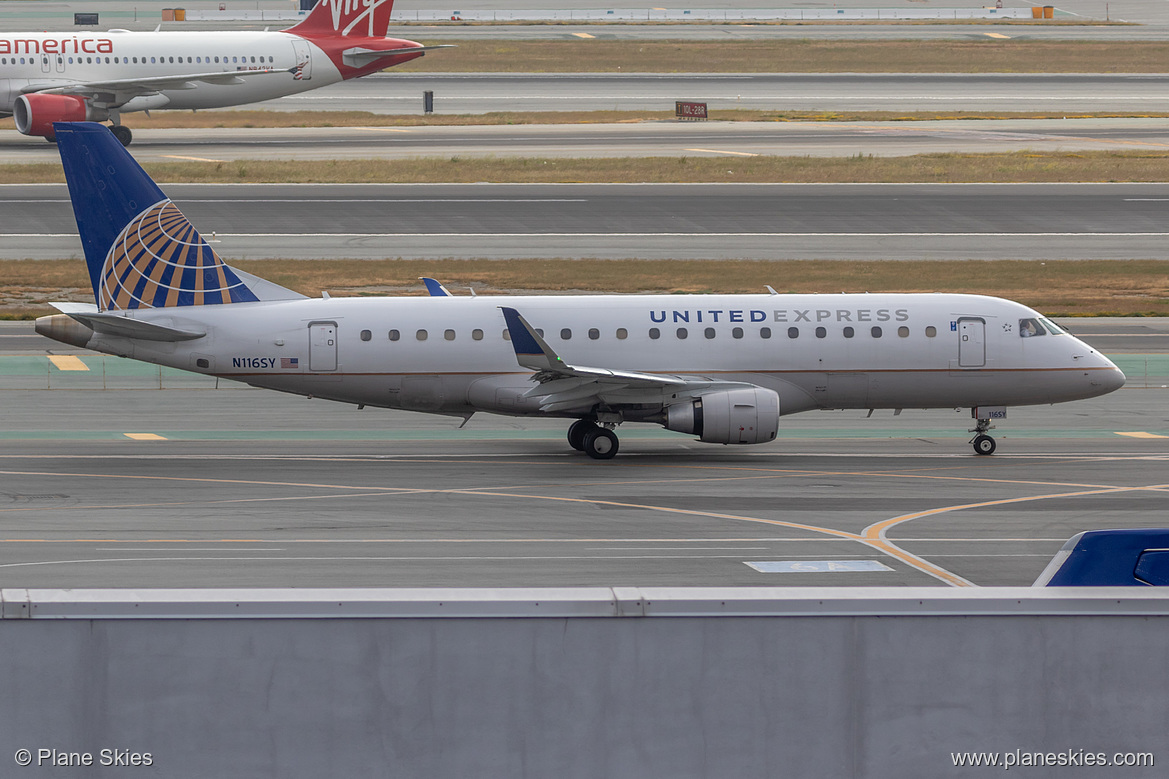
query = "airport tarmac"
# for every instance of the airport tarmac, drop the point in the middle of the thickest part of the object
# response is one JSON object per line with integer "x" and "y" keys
{"x": 196, "y": 486}
{"x": 662, "y": 138}
{"x": 652, "y": 221}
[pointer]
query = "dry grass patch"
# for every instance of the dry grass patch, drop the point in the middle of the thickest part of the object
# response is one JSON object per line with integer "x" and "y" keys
{"x": 1014, "y": 167}
{"x": 1067, "y": 288}
{"x": 988, "y": 55}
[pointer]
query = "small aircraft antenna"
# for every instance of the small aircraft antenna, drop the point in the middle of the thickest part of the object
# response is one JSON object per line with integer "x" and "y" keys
{"x": 771, "y": 289}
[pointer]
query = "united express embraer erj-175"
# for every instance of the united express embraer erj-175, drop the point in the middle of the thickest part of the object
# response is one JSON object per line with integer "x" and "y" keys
{"x": 721, "y": 367}
{"x": 72, "y": 76}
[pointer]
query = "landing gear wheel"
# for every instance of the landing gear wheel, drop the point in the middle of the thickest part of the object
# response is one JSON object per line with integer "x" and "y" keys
{"x": 122, "y": 133}
{"x": 983, "y": 444}
{"x": 577, "y": 431}
{"x": 601, "y": 444}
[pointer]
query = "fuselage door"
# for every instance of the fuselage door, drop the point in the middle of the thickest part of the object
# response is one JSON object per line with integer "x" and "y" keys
{"x": 304, "y": 59}
{"x": 322, "y": 351}
{"x": 60, "y": 64}
{"x": 971, "y": 343}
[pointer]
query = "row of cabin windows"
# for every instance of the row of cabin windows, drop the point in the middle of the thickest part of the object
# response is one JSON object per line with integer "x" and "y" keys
{"x": 61, "y": 60}
{"x": 654, "y": 333}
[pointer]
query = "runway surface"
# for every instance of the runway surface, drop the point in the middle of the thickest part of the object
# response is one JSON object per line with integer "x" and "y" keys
{"x": 470, "y": 93}
{"x": 716, "y": 221}
{"x": 194, "y": 486}
{"x": 665, "y": 138}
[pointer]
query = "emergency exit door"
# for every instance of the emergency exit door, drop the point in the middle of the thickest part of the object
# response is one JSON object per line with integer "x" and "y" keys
{"x": 971, "y": 343}
{"x": 322, "y": 346}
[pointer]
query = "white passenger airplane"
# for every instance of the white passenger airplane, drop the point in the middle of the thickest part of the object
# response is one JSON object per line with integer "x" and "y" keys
{"x": 720, "y": 367}
{"x": 71, "y": 76}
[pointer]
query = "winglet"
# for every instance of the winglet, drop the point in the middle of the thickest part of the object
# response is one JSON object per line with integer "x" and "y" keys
{"x": 531, "y": 350}
{"x": 435, "y": 289}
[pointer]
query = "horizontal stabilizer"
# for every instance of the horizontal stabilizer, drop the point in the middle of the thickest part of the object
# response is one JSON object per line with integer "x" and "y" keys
{"x": 122, "y": 326}
{"x": 358, "y": 57}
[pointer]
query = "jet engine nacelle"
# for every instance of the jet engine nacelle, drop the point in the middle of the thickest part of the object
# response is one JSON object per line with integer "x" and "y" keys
{"x": 35, "y": 113}
{"x": 739, "y": 416}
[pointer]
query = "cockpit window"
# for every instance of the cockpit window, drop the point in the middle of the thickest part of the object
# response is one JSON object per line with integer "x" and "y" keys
{"x": 1029, "y": 328}
{"x": 1052, "y": 327}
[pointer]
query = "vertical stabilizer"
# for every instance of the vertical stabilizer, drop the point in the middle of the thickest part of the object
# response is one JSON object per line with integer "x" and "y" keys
{"x": 357, "y": 18}
{"x": 141, "y": 251}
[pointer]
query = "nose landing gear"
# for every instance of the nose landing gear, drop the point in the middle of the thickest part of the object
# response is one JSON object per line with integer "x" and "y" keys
{"x": 983, "y": 443}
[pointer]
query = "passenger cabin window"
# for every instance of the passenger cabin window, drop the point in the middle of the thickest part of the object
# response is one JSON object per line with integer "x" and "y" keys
{"x": 931, "y": 332}
{"x": 849, "y": 332}
{"x": 622, "y": 333}
{"x": 654, "y": 333}
{"x": 736, "y": 332}
{"x": 395, "y": 335}
{"x": 594, "y": 333}
{"x": 903, "y": 332}
{"x": 507, "y": 335}
{"x": 793, "y": 332}
{"x": 876, "y": 332}
{"x": 476, "y": 335}
{"x": 821, "y": 332}
{"x": 708, "y": 332}
{"x": 682, "y": 334}
{"x": 565, "y": 334}
{"x": 421, "y": 335}
{"x": 765, "y": 332}
{"x": 449, "y": 335}
{"x": 1029, "y": 328}
{"x": 366, "y": 335}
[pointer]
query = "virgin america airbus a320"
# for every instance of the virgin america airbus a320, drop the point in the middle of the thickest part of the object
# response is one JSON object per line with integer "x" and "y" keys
{"x": 53, "y": 77}
{"x": 723, "y": 368}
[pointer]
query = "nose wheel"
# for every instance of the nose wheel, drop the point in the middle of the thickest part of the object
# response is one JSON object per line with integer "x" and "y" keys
{"x": 982, "y": 443}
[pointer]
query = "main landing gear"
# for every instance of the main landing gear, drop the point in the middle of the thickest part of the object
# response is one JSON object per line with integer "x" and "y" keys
{"x": 122, "y": 133}
{"x": 599, "y": 443}
{"x": 983, "y": 444}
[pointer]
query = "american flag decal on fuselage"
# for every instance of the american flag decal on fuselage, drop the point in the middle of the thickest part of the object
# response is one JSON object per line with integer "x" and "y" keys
{"x": 159, "y": 260}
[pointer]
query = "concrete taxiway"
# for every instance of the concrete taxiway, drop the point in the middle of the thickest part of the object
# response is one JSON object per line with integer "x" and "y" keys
{"x": 666, "y": 138}
{"x": 683, "y": 221}
{"x": 195, "y": 486}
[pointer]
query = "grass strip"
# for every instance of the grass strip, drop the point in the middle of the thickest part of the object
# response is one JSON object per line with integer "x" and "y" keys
{"x": 984, "y": 55}
{"x": 1057, "y": 288}
{"x": 1094, "y": 166}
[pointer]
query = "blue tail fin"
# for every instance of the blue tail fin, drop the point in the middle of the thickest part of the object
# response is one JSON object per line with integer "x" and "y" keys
{"x": 141, "y": 251}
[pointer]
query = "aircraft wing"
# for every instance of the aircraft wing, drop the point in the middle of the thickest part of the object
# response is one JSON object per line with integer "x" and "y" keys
{"x": 115, "y": 92}
{"x": 564, "y": 387}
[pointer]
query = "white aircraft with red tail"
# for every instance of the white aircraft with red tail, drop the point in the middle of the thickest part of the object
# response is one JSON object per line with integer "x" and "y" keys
{"x": 71, "y": 76}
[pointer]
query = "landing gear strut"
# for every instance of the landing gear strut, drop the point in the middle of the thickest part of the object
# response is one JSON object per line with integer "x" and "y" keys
{"x": 122, "y": 133}
{"x": 597, "y": 442}
{"x": 983, "y": 444}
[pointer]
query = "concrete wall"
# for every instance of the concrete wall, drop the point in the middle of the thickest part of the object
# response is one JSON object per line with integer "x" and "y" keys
{"x": 580, "y": 683}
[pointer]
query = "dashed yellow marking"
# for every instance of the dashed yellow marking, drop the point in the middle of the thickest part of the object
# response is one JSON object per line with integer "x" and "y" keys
{"x": 996, "y": 35}
{"x": 192, "y": 159}
{"x": 723, "y": 151}
{"x": 583, "y": 35}
{"x": 1143, "y": 435}
{"x": 144, "y": 436}
{"x": 64, "y": 362}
